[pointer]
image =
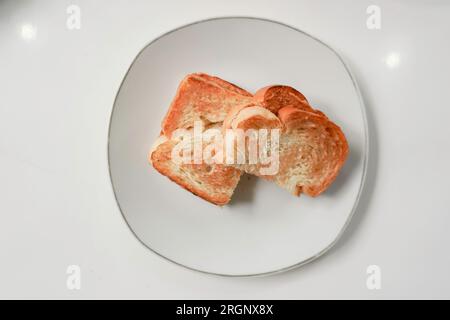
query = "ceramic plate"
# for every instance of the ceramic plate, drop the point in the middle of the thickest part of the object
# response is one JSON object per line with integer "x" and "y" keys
{"x": 264, "y": 229}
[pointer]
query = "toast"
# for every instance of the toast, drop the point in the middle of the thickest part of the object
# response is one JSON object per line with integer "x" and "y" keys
{"x": 212, "y": 182}
{"x": 202, "y": 97}
{"x": 312, "y": 149}
{"x": 208, "y": 99}
{"x": 276, "y": 97}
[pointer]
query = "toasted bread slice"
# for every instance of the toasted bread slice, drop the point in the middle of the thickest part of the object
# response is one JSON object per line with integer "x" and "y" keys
{"x": 276, "y": 97}
{"x": 214, "y": 183}
{"x": 205, "y": 98}
{"x": 202, "y": 97}
{"x": 312, "y": 149}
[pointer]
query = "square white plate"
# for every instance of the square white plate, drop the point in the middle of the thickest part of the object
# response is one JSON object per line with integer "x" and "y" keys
{"x": 264, "y": 229}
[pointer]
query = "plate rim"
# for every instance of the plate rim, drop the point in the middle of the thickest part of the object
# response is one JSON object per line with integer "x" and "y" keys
{"x": 365, "y": 149}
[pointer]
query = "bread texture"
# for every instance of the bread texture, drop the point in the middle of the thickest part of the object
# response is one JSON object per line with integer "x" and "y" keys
{"x": 200, "y": 97}
{"x": 276, "y": 97}
{"x": 312, "y": 149}
{"x": 213, "y": 182}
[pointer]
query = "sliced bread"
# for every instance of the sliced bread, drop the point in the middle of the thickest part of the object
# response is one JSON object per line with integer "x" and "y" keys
{"x": 213, "y": 182}
{"x": 276, "y": 97}
{"x": 312, "y": 149}
{"x": 200, "y": 97}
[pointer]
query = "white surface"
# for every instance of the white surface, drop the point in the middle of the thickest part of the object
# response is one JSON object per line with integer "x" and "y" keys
{"x": 264, "y": 228}
{"x": 57, "y": 205}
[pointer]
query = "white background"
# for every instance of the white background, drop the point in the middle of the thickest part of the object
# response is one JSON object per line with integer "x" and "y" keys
{"x": 56, "y": 202}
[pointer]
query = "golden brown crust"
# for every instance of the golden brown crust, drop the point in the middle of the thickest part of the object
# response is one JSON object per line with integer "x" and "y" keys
{"x": 202, "y": 97}
{"x": 224, "y": 84}
{"x": 288, "y": 114}
{"x": 312, "y": 148}
{"x": 214, "y": 183}
{"x": 291, "y": 117}
{"x": 251, "y": 112}
{"x": 208, "y": 99}
{"x": 306, "y": 133}
{"x": 279, "y": 96}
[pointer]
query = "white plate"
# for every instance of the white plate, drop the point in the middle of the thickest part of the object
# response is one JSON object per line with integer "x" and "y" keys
{"x": 264, "y": 229}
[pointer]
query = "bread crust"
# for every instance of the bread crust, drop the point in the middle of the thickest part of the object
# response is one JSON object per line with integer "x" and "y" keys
{"x": 251, "y": 116}
{"x": 202, "y": 97}
{"x": 289, "y": 119}
{"x": 214, "y": 183}
{"x": 207, "y": 98}
{"x": 224, "y": 84}
{"x": 276, "y": 97}
{"x": 289, "y": 116}
{"x": 217, "y": 102}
